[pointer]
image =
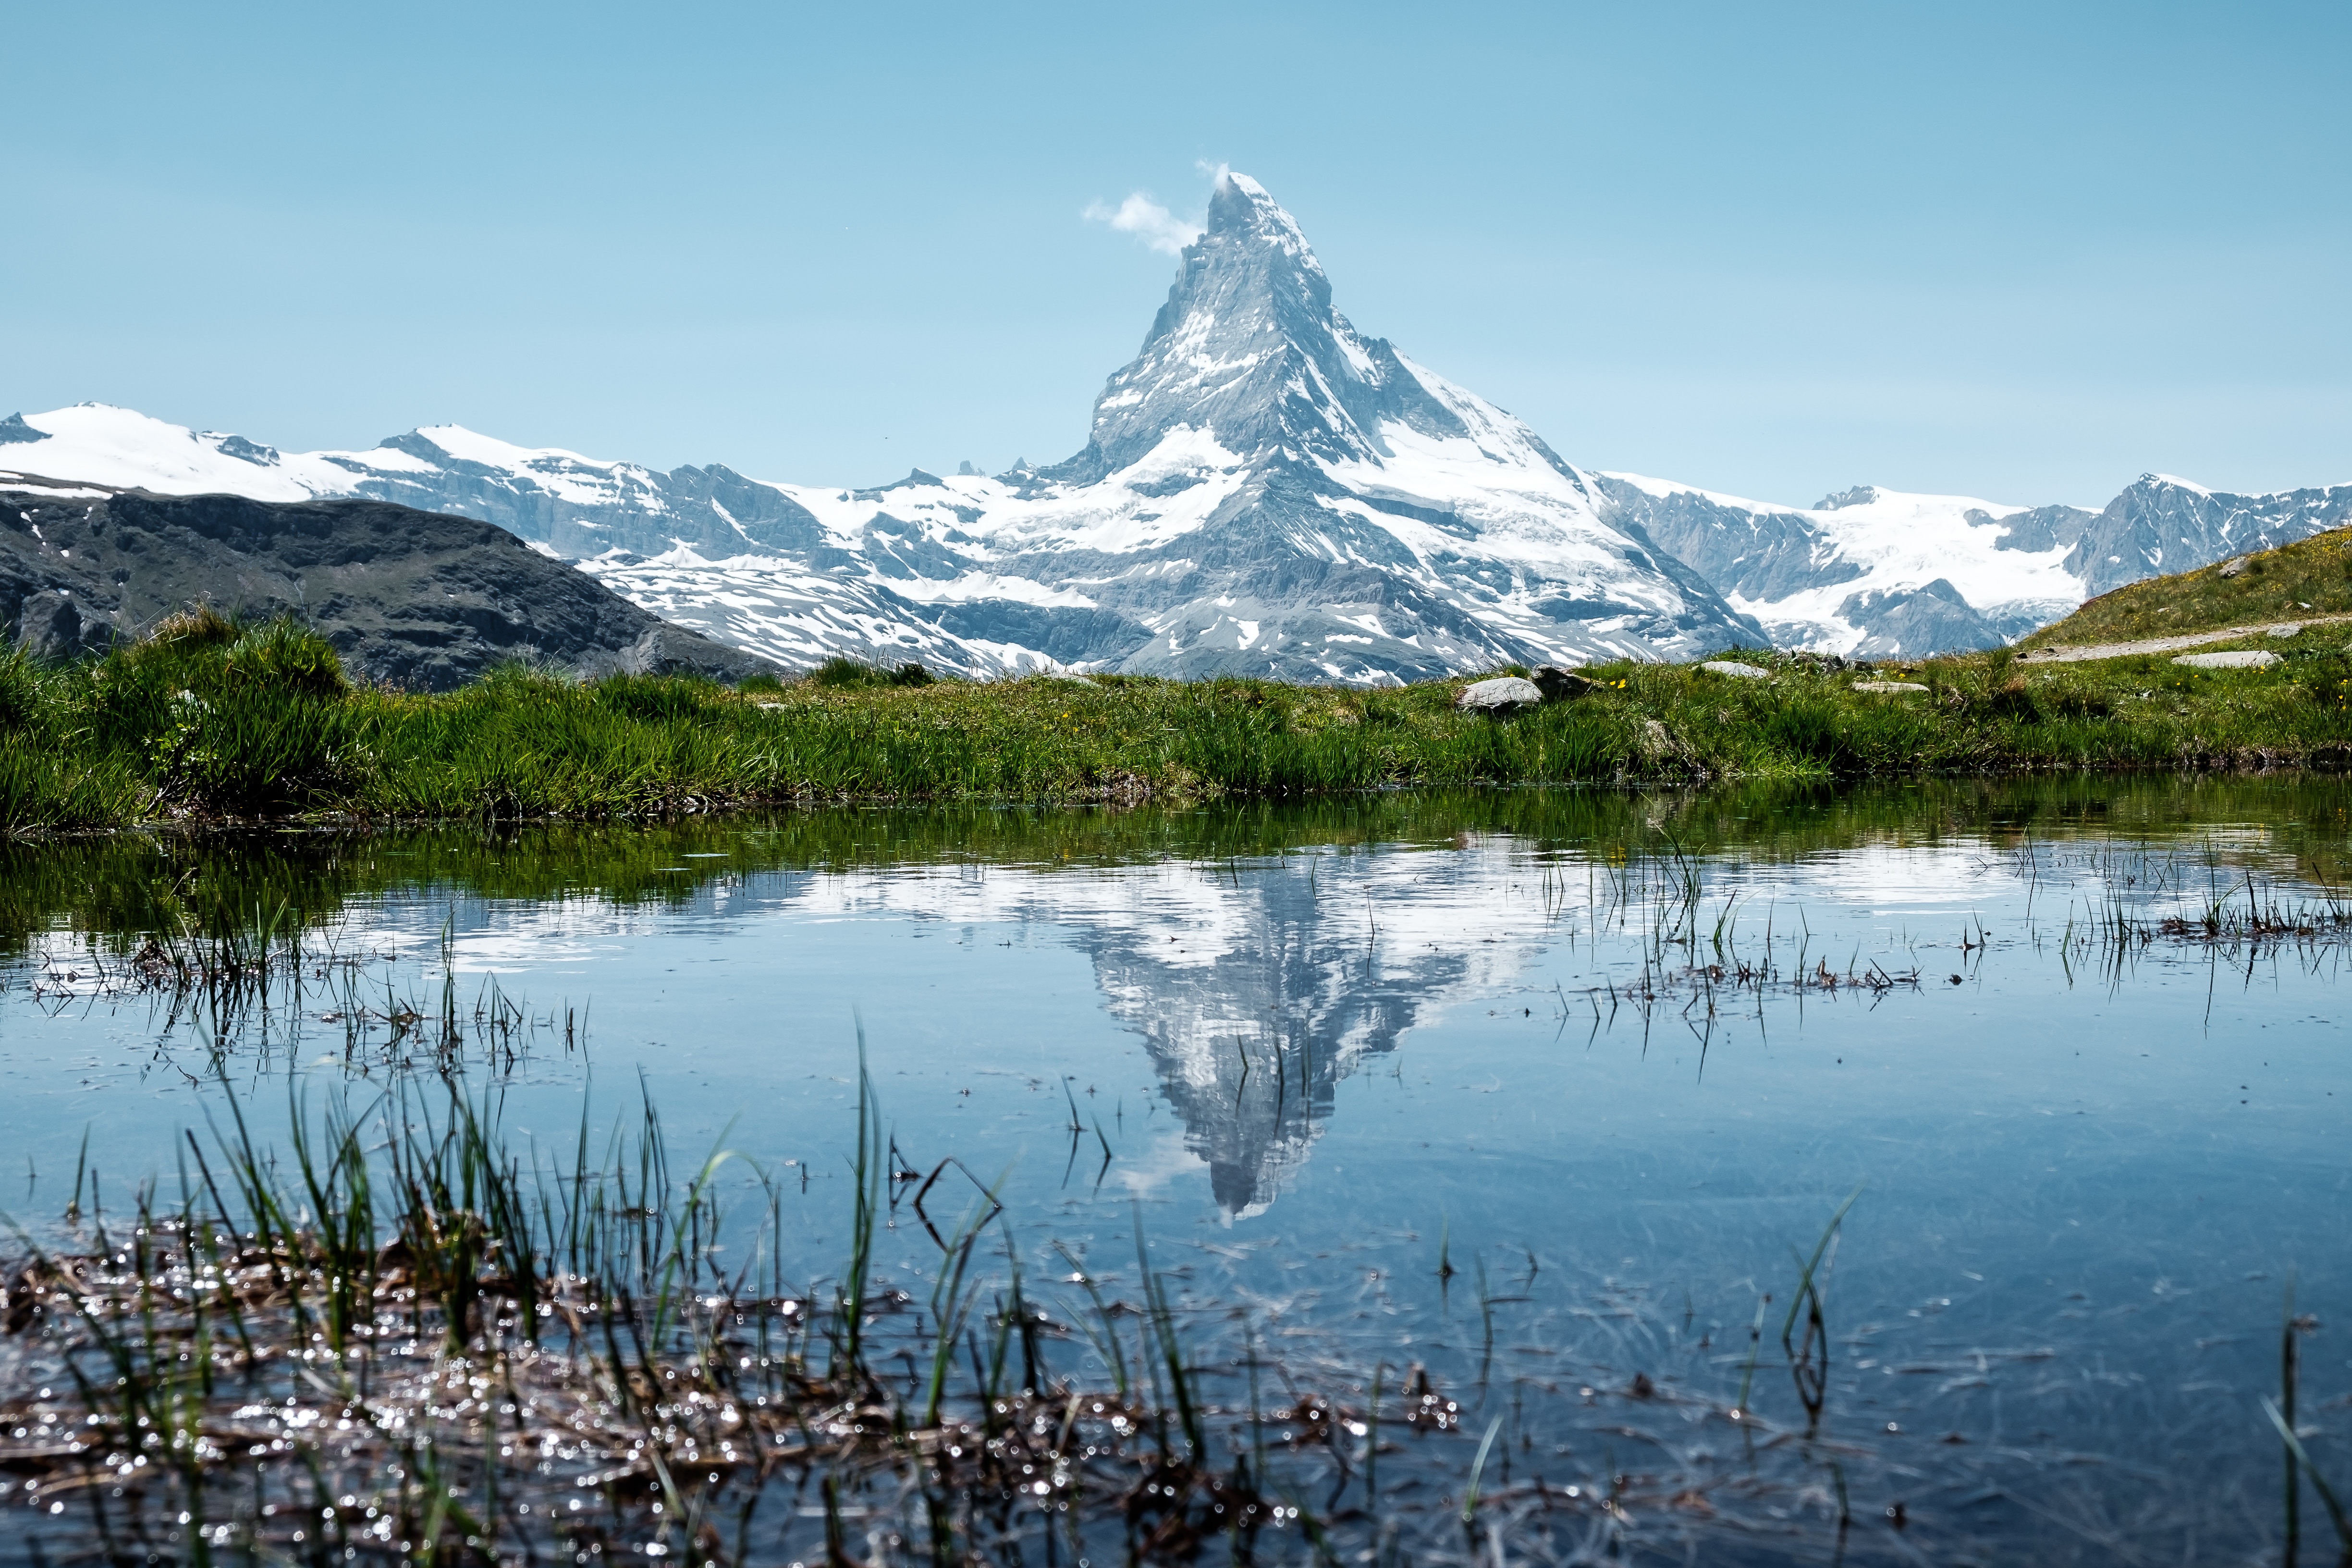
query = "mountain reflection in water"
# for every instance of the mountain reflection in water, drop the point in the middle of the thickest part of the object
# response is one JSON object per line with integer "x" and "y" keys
{"x": 1263, "y": 954}
{"x": 1576, "y": 1150}
{"x": 1254, "y": 995}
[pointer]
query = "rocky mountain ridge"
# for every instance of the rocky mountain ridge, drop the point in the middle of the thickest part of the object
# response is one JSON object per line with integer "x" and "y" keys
{"x": 1265, "y": 489}
{"x": 421, "y": 600}
{"x": 1878, "y": 573}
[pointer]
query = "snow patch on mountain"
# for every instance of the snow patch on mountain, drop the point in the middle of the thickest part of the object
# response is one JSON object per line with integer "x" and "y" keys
{"x": 100, "y": 443}
{"x": 1870, "y": 570}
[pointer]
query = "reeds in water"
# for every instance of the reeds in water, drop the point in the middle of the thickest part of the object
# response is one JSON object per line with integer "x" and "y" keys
{"x": 408, "y": 1339}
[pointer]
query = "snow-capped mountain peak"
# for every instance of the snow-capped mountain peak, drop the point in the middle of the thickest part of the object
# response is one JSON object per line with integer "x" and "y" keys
{"x": 1239, "y": 206}
{"x": 1249, "y": 348}
{"x": 102, "y": 444}
{"x": 472, "y": 446}
{"x": 1265, "y": 489}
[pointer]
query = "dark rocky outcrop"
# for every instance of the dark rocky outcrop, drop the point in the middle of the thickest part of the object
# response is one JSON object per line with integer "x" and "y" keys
{"x": 413, "y": 599}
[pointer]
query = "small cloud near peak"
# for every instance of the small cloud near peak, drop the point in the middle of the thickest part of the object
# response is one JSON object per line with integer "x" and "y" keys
{"x": 1140, "y": 215}
{"x": 1155, "y": 225}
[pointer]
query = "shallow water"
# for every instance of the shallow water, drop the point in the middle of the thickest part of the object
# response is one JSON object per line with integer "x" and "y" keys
{"x": 1322, "y": 1053}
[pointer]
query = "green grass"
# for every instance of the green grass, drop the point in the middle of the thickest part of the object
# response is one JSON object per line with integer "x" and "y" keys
{"x": 2293, "y": 582}
{"x": 209, "y": 722}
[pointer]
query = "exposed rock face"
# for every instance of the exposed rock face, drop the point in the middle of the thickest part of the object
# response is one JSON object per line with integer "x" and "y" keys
{"x": 1931, "y": 618}
{"x": 1759, "y": 553}
{"x": 2161, "y": 524}
{"x": 410, "y": 598}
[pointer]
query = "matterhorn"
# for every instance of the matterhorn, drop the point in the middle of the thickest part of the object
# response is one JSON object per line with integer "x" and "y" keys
{"x": 1264, "y": 491}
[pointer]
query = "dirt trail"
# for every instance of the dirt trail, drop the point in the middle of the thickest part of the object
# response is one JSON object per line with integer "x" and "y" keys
{"x": 2171, "y": 645}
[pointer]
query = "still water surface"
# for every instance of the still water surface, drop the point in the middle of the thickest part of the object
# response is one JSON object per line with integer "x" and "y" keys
{"x": 1322, "y": 1055}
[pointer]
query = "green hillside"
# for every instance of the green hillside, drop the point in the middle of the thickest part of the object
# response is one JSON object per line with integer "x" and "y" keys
{"x": 2296, "y": 582}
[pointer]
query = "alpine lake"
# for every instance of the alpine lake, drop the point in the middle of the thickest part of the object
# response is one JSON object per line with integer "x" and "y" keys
{"x": 1959, "y": 1172}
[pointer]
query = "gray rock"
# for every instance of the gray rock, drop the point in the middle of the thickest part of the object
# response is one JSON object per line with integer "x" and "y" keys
{"x": 1504, "y": 694}
{"x": 1858, "y": 495}
{"x": 1560, "y": 684}
{"x": 2245, "y": 659}
{"x": 1737, "y": 671}
{"x": 49, "y": 624}
{"x": 2288, "y": 630}
{"x": 2234, "y": 568}
{"x": 1888, "y": 686}
{"x": 409, "y": 598}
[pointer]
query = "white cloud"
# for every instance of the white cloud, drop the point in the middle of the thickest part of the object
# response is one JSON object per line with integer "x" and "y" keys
{"x": 1155, "y": 225}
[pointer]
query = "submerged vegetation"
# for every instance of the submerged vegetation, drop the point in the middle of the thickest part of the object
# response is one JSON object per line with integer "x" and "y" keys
{"x": 209, "y": 721}
{"x": 388, "y": 1329}
{"x": 395, "y": 1334}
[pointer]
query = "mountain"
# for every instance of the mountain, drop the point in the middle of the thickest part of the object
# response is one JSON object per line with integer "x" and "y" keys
{"x": 2162, "y": 525}
{"x": 1267, "y": 490}
{"x": 1868, "y": 571}
{"x": 1264, "y": 491}
{"x": 417, "y": 599}
{"x": 1881, "y": 572}
{"x": 795, "y": 605}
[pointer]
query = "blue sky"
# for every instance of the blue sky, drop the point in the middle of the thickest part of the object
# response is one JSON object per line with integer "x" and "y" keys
{"x": 2025, "y": 252}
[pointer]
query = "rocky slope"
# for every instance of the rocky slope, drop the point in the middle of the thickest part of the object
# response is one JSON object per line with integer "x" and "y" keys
{"x": 2163, "y": 525}
{"x": 415, "y": 599}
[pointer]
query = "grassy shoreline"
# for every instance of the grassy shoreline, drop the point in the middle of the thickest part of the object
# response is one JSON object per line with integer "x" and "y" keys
{"x": 209, "y": 723}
